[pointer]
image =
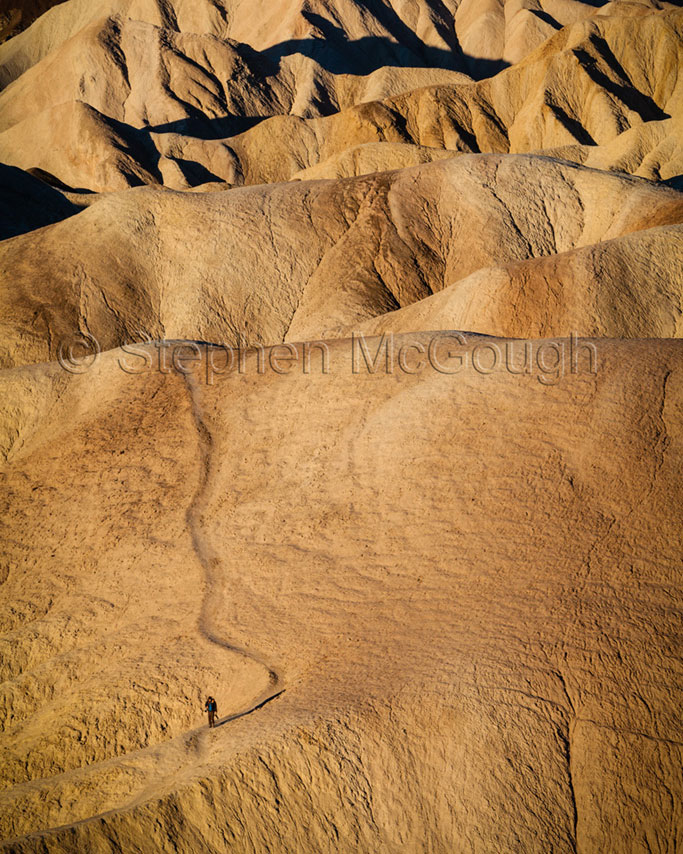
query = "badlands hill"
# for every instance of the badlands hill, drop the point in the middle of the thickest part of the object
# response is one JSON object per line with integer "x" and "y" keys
{"x": 193, "y": 92}
{"x": 438, "y": 602}
{"x": 509, "y": 245}
{"x": 467, "y": 585}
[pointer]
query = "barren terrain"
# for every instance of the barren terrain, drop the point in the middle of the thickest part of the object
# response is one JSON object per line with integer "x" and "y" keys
{"x": 341, "y": 377}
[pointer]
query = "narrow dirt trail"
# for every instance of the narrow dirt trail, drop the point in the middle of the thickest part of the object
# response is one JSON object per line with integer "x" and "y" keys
{"x": 211, "y": 563}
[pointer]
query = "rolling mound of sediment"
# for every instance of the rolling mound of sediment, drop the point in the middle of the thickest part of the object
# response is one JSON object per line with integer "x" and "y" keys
{"x": 473, "y": 618}
{"x": 574, "y": 250}
{"x": 341, "y": 379}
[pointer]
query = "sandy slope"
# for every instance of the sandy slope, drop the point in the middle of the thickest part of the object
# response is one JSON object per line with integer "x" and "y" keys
{"x": 474, "y": 616}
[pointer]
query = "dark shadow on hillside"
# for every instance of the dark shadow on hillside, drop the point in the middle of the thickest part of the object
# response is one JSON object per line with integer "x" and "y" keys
{"x": 622, "y": 88}
{"x": 573, "y": 125}
{"x": 333, "y": 51}
{"x": 200, "y": 126}
{"x": 546, "y": 18}
{"x": 336, "y": 54}
{"x": 27, "y": 203}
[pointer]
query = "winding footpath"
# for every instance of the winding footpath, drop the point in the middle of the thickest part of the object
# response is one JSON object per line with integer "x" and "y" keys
{"x": 211, "y": 561}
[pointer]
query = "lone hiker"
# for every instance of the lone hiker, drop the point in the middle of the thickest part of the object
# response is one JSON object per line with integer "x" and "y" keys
{"x": 212, "y": 709}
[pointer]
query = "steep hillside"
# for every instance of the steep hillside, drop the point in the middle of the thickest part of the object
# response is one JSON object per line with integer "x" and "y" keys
{"x": 179, "y": 101}
{"x": 474, "y": 619}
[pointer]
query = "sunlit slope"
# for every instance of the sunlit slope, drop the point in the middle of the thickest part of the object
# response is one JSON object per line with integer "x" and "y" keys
{"x": 301, "y": 260}
{"x": 466, "y": 582}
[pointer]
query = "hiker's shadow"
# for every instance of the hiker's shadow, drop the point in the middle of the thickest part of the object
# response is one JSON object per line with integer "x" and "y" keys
{"x": 246, "y": 712}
